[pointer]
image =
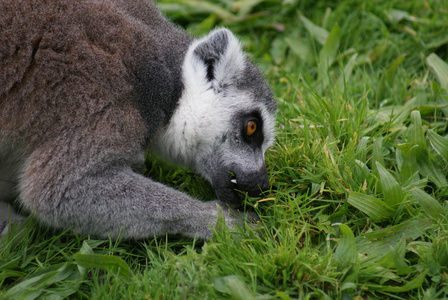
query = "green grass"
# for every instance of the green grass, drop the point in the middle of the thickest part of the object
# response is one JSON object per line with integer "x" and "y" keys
{"x": 358, "y": 207}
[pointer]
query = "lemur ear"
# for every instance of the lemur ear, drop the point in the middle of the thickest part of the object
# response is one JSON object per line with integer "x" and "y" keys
{"x": 217, "y": 56}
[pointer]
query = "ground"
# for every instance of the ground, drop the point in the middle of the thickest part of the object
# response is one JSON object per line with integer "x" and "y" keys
{"x": 358, "y": 206}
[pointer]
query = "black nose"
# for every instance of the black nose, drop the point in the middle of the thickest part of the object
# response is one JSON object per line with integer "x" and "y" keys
{"x": 264, "y": 186}
{"x": 253, "y": 183}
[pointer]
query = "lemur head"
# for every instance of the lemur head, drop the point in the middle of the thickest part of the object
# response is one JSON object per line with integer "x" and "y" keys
{"x": 224, "y": 121}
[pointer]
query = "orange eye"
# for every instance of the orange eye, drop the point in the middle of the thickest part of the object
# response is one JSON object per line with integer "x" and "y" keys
{"x": 251, "y": 127}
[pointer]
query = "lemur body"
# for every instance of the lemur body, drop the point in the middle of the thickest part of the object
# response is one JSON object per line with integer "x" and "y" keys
{"x": 86, "y": 86}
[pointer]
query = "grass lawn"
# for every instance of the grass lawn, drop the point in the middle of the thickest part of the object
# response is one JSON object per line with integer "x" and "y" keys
{"x": 358, "y": 207}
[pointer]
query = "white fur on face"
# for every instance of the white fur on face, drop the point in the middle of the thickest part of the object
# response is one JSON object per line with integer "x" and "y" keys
{"x": 206, "y": 108}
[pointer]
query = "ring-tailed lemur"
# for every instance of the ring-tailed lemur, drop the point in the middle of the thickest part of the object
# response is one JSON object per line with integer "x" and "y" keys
{"x": 86, "y": 86}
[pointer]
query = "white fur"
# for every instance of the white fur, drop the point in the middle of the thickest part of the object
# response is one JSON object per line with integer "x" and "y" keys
{"x": 232, "y": 62}
{"x": 269, "y": 125}
{"x": 204, "y": 111}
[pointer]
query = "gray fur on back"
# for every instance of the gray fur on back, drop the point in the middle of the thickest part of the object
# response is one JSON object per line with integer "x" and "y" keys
{"x": 86, "y": 86}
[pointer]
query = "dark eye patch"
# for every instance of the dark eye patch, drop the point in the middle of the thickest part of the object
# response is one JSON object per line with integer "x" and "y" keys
{"x": 252, "y": 129}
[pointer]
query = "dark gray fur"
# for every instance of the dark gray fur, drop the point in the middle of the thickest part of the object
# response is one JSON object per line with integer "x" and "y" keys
{"x": 84, "y": 87}
{"x": 211, "y": 52}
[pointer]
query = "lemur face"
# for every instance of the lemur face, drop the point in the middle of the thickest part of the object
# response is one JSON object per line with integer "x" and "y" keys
{"x": 225, "y": 119}
{"x": 236, "y": 163}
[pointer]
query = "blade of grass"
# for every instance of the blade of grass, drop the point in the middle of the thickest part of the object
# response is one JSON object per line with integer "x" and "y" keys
{"x": 392, "y": 191}
{"x": 301, "y": 49}
{"x": 378, "y": 243}
{"x": 197, "y": 6}
{"x": 439, "y": 144}
{"x": 415, "y": 283}
{"x": 346, "y": 254}
{"x": 327, "y": 54}
{"x": 348, "y": 69}
{"x": 440, "y": 68}
{"x": 361, "y": 149}
{"x": 430, "y": 205}
{"x": 319, "y": 33}
{"x": 108, "y": 263}
{"x": 411, "y": 229}
{"x": 377, "y": 155}
{"x": 375, "y": 208}
{"x": 245, "y": 7}
{"x": 394, "y": 257}
{"x": 427, "y": 167}
{"x": 416, "y": 135}
{"x": 33, "y": 287}
{"x": 386, "y": 79}
{"x": 398, "y": 255}
{"x": 233, "y": 286}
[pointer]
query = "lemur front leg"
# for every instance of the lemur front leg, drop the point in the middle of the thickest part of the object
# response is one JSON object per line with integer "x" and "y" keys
{"x": 117, "y": 200}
